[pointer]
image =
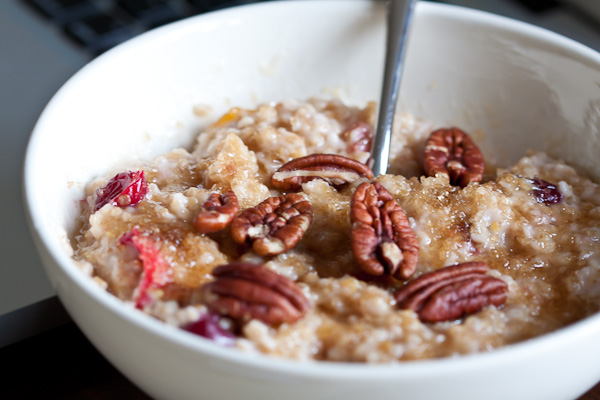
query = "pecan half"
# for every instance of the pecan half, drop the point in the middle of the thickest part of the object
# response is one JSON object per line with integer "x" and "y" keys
{"x": 275, "y": 225}
{"x": 452, "y": 292}
{"x": 359, "y": 137}
{"x": 382, "y": 239}
{"x": 453, "y": 153}
{"x": 217, "y": 212}
{"x": 245, "y": 291}
{"x": 335, "y": 169}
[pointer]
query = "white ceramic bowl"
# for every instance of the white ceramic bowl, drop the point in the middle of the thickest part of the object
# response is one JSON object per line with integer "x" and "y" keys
{"x": 519, "y": 86}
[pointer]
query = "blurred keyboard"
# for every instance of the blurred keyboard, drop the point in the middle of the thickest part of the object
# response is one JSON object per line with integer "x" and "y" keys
{"x": 98, "y": 25}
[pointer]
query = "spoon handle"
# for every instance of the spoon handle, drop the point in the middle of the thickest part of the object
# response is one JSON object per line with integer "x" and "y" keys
{"x": 399, "y": 14}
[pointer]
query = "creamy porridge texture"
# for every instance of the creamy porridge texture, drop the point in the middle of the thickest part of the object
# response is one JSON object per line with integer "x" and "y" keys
{"x": 236, "y": 241}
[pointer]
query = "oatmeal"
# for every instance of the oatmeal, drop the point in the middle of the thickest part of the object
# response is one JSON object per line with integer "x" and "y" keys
{"x": 272, "y": 236}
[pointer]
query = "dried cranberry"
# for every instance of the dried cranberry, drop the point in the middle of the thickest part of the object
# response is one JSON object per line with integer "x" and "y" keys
{"x": 156, "y": 271}
{"x": 546, "y": 192}
{"x": 124, "y": 189}
{"x": 208, "y": 326}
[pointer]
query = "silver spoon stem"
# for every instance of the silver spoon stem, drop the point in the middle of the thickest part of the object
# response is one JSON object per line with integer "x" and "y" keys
{"x": 399, "y": 14}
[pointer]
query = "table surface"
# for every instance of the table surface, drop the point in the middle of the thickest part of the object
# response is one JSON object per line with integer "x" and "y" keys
{"x": 62, "y": 364}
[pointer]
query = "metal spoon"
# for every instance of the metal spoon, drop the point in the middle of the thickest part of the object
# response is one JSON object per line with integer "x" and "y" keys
{"x": 399, "y": 14}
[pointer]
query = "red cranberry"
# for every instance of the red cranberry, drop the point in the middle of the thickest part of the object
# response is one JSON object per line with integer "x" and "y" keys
{"x": 546, "y": 192}
{"x": 156, "y": 270}
{"x": 124, "y": 189}
{"x": 208, "y": 326}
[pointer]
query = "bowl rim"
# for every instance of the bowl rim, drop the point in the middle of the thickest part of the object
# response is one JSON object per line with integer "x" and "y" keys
{"x": 45, "y": 240}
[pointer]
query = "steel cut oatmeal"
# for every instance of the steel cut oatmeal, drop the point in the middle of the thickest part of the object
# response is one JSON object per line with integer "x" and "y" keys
{"x": 274, "y": 237}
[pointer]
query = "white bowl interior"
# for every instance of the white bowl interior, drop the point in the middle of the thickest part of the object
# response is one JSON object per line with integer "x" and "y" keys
{"x": 513, "y": 86}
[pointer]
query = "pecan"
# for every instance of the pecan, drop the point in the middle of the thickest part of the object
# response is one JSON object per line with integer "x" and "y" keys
{"x": 216, "y": 212}
{"x": 275, "y": 225}
{"x": 335, "y": 169}
{"x": 245, "y": 291}
{"x": 359, "y": 137}
{"x": 452, "y": 292}
{"x": 453, "y": 153}
{"x": 382, "y": 239}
